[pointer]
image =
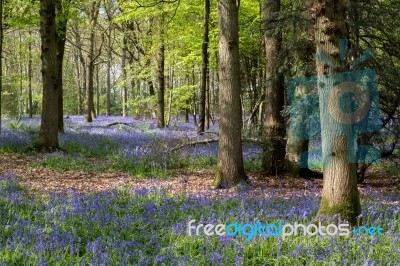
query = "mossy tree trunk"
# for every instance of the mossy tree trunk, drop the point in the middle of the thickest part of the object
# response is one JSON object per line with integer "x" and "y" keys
{"x": 273, "y": 160}
{"x": 230, "y": 169}
{"x": 340, "y": 195}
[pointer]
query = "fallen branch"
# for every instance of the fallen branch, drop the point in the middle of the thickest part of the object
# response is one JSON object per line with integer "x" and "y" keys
{"x": 255, "y": 109}
{"x": 207, "y": 141}
{"x": 119, "y": 123}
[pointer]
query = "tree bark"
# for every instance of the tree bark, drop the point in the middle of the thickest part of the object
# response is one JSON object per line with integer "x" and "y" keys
{"x": 78, "y": 81}
{"x": 340, "y": 195}
{"x": 230, "y": 169}
{"x": 61, "y": 31}
{"x": 124, "y": 78}
{"x": 109, "y": 55}
{"x": 30, "y": 101}
{"x": 48, "y": 137}
{"x": 204, "y": 69}
{"x": 93, "y": 15}
{"x": 273, "y": 160}
{"x": 161, "y": 83}
{"x": 1, "y": 58}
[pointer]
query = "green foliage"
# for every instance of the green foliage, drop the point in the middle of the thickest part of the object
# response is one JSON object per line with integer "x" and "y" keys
{"x": 23, "y": 127}
{"x": 390, "y": 169}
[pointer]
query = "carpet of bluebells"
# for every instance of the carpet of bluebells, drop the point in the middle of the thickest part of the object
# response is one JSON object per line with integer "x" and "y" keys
{"x": 132, "y": 145}
{"x": 147, "y": 227}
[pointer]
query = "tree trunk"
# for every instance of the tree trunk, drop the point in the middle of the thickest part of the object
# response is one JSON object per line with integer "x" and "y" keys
{"x": 124, "y": 78}
{"x": 340, "y": 194}
{"x": 109, "y": 55}
{"x": 204, "y": 69}
{"x": 93, "y": 15}
{"x": 230, "y": 169}
{"x": 161, "y": 85}
{"x": 48, "y": 137}
{"x": 78, "y": 81}
{"x": 1, "y": 58}
{"x": 273, "y": 161}
{"x": 297, "y": 149}
{"x": 187, "y": 109}
{"x": 61, "y": 31}
{"x": 194, "y": 100}
{"x": 21, "y": 70}
{"x": 207, "y": 118}
{"x": 30, "y": 101}
{"x": 97, "y": 90}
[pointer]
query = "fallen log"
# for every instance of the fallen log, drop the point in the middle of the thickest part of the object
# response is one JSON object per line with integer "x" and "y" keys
{"x": 207, "y": 141}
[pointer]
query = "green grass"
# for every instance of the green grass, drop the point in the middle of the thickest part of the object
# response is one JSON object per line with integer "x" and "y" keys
{"x": 66, "y": 163}
{"x": 391, "y": 169}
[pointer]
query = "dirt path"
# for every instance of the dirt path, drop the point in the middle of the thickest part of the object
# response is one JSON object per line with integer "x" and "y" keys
{"x": 184, "y": 182}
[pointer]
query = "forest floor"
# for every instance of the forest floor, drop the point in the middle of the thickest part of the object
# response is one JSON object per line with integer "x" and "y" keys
{"x": 183, "y": 182}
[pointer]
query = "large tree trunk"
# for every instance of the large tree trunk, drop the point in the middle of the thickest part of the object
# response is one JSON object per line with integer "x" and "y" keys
{"x": 273, "y": 161}
{"x": 340, "y": 194}
{"x": 230, "y": 169}
{"x": 297, "y": 148}
{"x": 48, "y": 137}
{"x": 204, "y": 70}
{"x": 61, "y": 30}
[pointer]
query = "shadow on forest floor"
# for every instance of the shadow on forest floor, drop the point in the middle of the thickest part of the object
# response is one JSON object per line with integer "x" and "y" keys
{"x": 183, "y": 182}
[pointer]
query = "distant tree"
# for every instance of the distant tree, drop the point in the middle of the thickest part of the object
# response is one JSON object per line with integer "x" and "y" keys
{"x": 93, "y": 13}
{"x": 48, "y": 137}
{"x": 340, "y": 194}
{"x": 230, "y": 169}
{"x": 161, "y": 78}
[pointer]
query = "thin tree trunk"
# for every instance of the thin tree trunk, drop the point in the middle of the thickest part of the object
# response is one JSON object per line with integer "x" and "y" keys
{"x": 61, "y": 31}
{"x": 340, "y": 195}
{"x": 21, "y": 70}
{"x": 78, "y": 81}
{"x": 187, "y": 109}
{"x": 30, "y": 101}
{"x": 97, "y": 90}
{"x": 1, "y": 59}
{"x": 48, "y": 136}
{"x": 124, "y": 78}
{"x": 94, "y": 12}
{"x": 273, "y": 161}
{"x": 109, "y": 55}
{"x": 194, "y": 99}
{"x": 230, "y": 169}
{"x": 207, "y": 113}
{"x": 171, "y": 88}
{"x": 161, "y": 83}
{"x": 204, "y": 69}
